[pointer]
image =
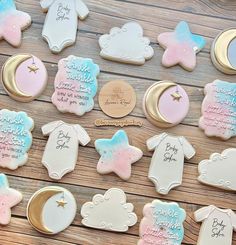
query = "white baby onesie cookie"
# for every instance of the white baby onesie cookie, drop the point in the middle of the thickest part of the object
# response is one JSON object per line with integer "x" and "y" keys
{"x": 61, "y": 22}
{"x": 61, "y": 152}
{"x": 166, "y": 169}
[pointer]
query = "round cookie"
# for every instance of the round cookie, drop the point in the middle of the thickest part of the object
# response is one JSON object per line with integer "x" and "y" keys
{"x": 165, "y": 104}
{"x": 51, "y": 209}
{"x": 24, "y": 77}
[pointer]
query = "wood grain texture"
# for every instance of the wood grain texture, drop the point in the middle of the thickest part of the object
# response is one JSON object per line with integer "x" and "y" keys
{"x": 207, "y": 18}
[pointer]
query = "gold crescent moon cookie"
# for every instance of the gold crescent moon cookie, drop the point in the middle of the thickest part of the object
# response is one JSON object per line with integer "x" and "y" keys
{"x": 51, "y": 210}
{"x": 223, "y": 51}
{"x": 165, "y": 104}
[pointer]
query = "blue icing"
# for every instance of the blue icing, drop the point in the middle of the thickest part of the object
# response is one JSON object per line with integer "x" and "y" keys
{"x": 6, "y": 5}
{"x": 184, "y": 34}
{"x": 3, "y": 181}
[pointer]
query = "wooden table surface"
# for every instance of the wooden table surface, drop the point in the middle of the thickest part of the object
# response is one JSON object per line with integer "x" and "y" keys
{"x": 207, "y": 18}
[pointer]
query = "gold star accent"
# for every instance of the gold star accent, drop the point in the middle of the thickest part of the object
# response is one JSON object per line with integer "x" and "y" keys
{"x": 33, "y": 68}
{"x": 61, "y": 203}
{"x": 176, "y": 96}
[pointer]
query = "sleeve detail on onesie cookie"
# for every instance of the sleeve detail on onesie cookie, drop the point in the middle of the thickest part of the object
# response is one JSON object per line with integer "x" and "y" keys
{"x": 82, "y": 135}
{"x": 48, "y": 128}
{"x": 45, "y": 4}
{"x": 154, "y": 141}
{"x": 233, "y": 219}
{"x": 188, "y": 149}
{"x": 81, "y": 9}
{"x": 203, "y": 213}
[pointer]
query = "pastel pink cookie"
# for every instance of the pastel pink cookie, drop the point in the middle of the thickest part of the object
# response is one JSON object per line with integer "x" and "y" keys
{"x": 12, "y": 22}
{"x": 180, "y": 47}
{"x": 117, "y": 155}
{"x": 8, "y": 199}
{"x": 219, "y": 110}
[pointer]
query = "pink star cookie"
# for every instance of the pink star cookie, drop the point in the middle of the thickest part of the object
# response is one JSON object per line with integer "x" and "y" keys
{"x": 117, "y": 155}
{"x": 181, "y": 47}
{"x": 8, "y": 199}
{"x": 12, "y": 22}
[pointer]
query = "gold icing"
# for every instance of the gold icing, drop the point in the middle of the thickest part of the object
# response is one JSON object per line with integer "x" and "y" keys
{"x": 176, "y": 96}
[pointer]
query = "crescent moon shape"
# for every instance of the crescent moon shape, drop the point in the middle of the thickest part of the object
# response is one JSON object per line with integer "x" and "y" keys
{"x": 152, "y": 98}
{"x": 35, "y": 208}
{"x": 8, "y": 75}
{"x": 221, "y": 48}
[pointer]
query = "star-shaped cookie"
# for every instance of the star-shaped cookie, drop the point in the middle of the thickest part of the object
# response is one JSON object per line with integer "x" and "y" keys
{"x": 12, "y": 22}
{"x": 8, "y": 199}
{"x": 181, "y": 47}
{"x": 117, "y": 155}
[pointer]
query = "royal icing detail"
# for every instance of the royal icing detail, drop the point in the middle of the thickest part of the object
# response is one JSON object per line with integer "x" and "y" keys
{"x": 219, "y": 170}
{"x": 117, "y": 155}
{"x": 126, "y": 44}
{"x": 61, "y": 22}
{"x": 8, "y": 199}
{"x": 166, "y": 169}
{"x": 75, "y": 85}
{"x": 219, "y": 110}
{"x": 15, "y": 138}
{"x": 162, "y": 224}
{"x": 61, "y": 152}
{"x": 12, "y": 22}
{"x": 181, "y": 46}
{"x": 109, "y": 212}
{"x": 218, "y": 225}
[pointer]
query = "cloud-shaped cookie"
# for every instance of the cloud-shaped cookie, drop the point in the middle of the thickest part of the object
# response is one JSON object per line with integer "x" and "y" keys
{"x": 219, "y": 170}
{"x": 126, "y": 44}
{"x": 109, "y": 212}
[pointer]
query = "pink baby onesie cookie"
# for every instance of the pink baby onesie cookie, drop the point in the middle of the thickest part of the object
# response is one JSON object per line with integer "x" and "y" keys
{"x": 219, "y": 110}
{"x": 61, "y": 152}
{"x": 8, "y": 199}
{"x": 75, "y": 85}
{"x": 181, "y": 47}
{"x": 117, "y": 155}
{"x": 12, "y": 22}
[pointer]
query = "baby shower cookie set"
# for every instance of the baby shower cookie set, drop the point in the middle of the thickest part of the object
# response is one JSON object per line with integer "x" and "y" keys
{"x": 24, "y": 77}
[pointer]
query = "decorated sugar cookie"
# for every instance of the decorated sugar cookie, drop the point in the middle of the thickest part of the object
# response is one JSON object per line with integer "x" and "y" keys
{"x": 181, "y": 47}
{"x": 218, "y": 225}
{"x": 24, "y": 77}
{"x": 117, "y": 155}
{"x": 15, "y": 138}
{"x": 162, "y": 224}
{"x": 12, "y": 22}
{"x": 166, "y": 169}
{"x": 109, "y": 212}
{"x": 51, "y": 209}
{"x": 219, "y": 170}
{"x": 75, "y": 85}
{"x": 223, "y": 51}
{"x": 61, "y": 152}
{"x": 8, "y": 199}
{"x": 219, "y": 110}
{"x": 61, "y": 22}
{"x": 126, "y": 44}
{"x": 165, "y": 104}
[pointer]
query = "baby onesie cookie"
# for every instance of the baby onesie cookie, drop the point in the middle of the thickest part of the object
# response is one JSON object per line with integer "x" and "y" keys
{"x": 165, "y": 104}
{"x": 218, "y": 225}
{"x": 162, "y": 224}
{"x": 15, "y": 138}
{"x": 181, "y": 47}
{"x": 61, "y": 22}
{"x": 75, "y": 85}
{"x": 219, "y": 170}
{"x": 218, "y": 110}
{"x": 51, "y": 210}
{"x": 61, "y": 152}
{"x": 109, "y": 212}
{"x": 12, "y": 22}
{"x": 117, "y": 155}
{"x": 166, "y": 169}
{"x": 8, "y": 199}
{"x": 126, "y": 44}
{"x": 223, "y": 51}
{"x": 24, "y": 77}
